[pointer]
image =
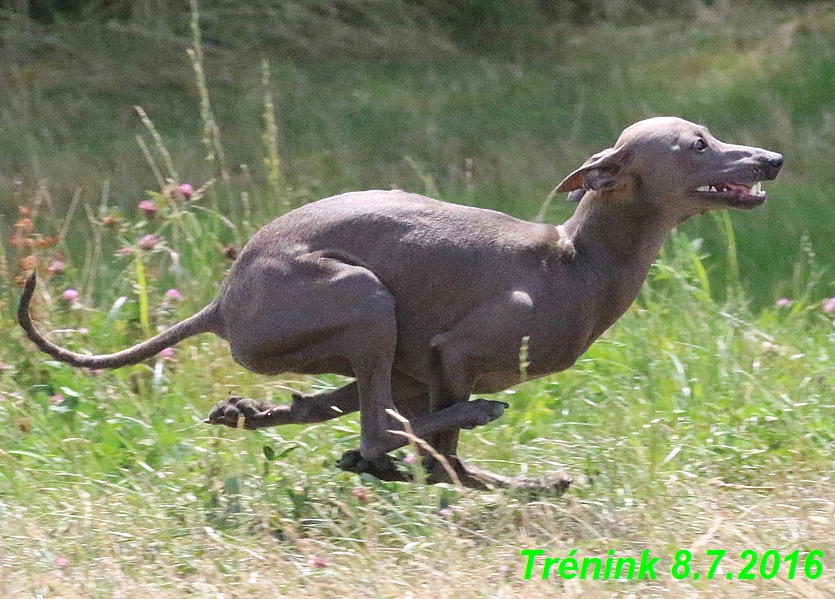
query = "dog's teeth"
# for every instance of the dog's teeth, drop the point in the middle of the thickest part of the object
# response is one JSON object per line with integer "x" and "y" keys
{"x": 704, "y": 188}
{"x": 712, "y": 188}
{"x": 757, "y": 188}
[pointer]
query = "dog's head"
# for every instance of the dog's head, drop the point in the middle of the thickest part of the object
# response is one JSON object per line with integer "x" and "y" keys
{"x": 674, "y": 162}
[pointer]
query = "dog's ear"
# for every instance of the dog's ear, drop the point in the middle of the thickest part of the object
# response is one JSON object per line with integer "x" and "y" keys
{"x": 576, "y": 195}
{"x": 601, "y": 172}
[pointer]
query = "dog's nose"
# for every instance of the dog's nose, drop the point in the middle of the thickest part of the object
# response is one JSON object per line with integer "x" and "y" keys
{"x": 769, "y": 164}
{"x": 775, "y": 160}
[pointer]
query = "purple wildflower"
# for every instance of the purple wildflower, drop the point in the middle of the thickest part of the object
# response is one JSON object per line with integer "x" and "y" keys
{"x": 361, "y": 494}
{"x": 829, "y": 306}
{"x": 784, "y": 302}
{"x": 149, "y": 208}
{"x": 71, "y": 295}
{"x": 57, "y": 267}
{"x": 173, "y": 295}
{"x": 148, "y": 242}
{"x": 187, "y": 190}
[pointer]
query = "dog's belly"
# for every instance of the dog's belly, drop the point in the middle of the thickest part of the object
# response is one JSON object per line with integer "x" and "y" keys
{"x": 273, "y": 363}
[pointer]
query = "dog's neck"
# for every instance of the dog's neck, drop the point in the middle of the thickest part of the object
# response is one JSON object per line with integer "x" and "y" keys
{"x": 616, "y": 241}
{"x": 620, "y": 231}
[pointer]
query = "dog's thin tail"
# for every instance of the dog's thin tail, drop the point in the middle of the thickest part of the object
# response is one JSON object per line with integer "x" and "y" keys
{"x": 205, "y": 321}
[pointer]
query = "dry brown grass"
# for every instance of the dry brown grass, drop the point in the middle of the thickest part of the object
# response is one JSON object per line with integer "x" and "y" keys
{"x": 112, "y": 549}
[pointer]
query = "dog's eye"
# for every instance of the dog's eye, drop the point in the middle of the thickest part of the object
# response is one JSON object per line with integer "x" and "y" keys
{"x": 700, "y": 145}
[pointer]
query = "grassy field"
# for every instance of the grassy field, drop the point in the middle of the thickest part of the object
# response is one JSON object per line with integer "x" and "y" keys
{"x": 703, "y": 420}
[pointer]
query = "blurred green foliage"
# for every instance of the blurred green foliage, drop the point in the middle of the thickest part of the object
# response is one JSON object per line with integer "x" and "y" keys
{"x": 456, "y": 13}
{"x": 521, "y": 91}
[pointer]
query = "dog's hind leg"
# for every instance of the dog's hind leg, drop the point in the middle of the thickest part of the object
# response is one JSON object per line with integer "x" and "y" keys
{"x": 314, "y": 314}
{"x": 304, "y": 409}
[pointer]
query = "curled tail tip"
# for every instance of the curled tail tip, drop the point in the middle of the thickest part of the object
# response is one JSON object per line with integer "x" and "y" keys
{"x": 29, "y": 288}
{"x": 26, "y": 297}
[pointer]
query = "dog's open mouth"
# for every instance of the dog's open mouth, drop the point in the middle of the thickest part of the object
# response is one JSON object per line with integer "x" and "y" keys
{"x": 735, "y": 195}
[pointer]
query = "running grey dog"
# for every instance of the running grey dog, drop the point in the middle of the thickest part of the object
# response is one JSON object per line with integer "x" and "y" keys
{"x": 424, "y": 302}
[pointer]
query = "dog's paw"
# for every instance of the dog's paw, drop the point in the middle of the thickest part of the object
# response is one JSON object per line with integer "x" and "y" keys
{"x": 468, "y": 476}
{"x": 486, "y": 411}
{"x": 547, "y": 486}
{"x": 475, "y": 478}
{"x": 230, "y": 412}
{"x": 383, "y": 467}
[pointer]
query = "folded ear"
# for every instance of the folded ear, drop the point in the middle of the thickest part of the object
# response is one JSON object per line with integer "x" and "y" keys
{"x": 601, "y": 172}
